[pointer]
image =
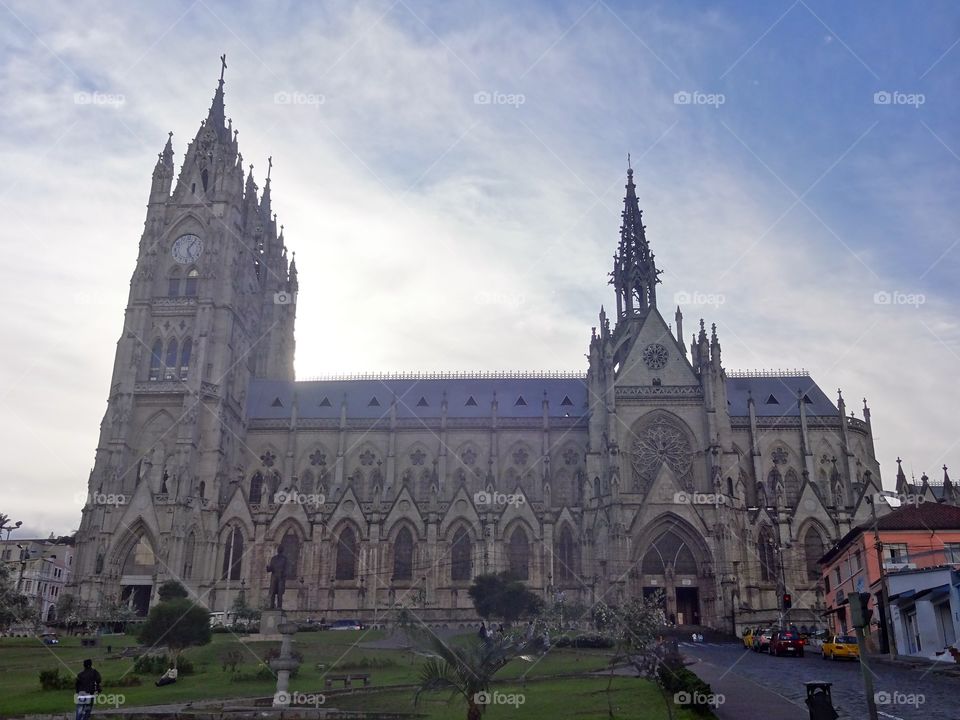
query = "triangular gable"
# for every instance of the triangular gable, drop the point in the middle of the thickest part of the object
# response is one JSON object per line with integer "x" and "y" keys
{"x": 460, "y": 508}
{"x": 139, "y": 508}
{"x": 348, "y": 508}
{"x": 290, "y": 511}
{"x": 238, "y": 510}
{"x": 641, "y": 365}
{"x": 405, "y": 508}
{"x": 519, "y": 510}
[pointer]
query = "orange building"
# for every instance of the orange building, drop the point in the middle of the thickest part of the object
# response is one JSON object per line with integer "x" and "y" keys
{"x": 912, "y": 537}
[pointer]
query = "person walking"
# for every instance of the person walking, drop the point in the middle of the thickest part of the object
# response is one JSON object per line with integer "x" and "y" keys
{"x": 483, "y": 631}
{"x": 87, "y": 687}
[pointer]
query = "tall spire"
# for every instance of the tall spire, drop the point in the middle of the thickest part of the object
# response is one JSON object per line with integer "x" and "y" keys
{"x": 635, "y": 274}
{"x": 216, "y": 118}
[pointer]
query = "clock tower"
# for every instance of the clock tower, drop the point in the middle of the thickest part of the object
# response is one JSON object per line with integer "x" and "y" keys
{"x": 210, "y": 307}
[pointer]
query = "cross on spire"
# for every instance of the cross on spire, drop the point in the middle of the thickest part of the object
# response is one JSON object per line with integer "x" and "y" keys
{"x": 223, "y": 66}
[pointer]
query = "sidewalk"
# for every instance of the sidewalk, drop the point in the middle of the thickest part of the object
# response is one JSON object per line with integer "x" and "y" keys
{"x": 743, "y": 698}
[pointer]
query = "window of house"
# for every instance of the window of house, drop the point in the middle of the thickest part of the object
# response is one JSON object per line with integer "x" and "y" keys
{"x": 858, "y": 560}
{"x": 952, "y": 552}
{"x": 836, "y": 575}
{"x": 895, "y": 553}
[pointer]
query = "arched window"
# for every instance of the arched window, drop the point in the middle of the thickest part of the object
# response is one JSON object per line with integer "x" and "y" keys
{"x": 190, "y": 286}
{"x": 813, "y": 550}
{"x": 156, "y": 360}
{"x": 170, "y": 369}
{"x": 291, "y": 551}
{"x": 346, "y": 555}
{"x": 141, "y": 559}
{"x": 403, "y": 555}
{"x": 791, "y": 487}
{"x": 669, "y": 550}
{"x": 274, "y": 486}
{"x": 767, "y": 555}
{"x": 518, "y": 555}
{"x": 460, "y": 568}
{"x": 189, "y": 550}
{"x": 774, "y": 479}
{"x": 185, "y": 358}
{"x": 565, "y": 557}
{"x": 256, "y": 488}
{"x": 232, "y": 555}
{"x": 561, "y": 489}
{"x": 173, "y": 284}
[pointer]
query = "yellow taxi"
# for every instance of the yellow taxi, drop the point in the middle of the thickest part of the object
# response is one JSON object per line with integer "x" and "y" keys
{"x": 840, "y": 646}
{"x": 748, "y": 638}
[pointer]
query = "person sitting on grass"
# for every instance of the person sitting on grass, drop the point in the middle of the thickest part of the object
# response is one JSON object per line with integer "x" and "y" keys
{"x": 86, "y": 687}
{"x": 169, "y": 677}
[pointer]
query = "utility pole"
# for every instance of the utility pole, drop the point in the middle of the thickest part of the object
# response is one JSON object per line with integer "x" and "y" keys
{"x": 860, "y": 617}
{"x": 887, "y": 636}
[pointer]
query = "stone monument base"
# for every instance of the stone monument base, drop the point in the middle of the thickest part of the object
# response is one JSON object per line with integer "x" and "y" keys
{"x": 270, "y": 621}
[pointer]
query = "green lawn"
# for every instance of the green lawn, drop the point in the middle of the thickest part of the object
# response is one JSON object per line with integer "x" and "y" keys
{"x": 21, "y": 659}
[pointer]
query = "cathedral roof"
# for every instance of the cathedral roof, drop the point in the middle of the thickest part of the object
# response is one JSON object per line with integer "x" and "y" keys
{"x": 775, "y": 395}
{"x": 466, "y": 396}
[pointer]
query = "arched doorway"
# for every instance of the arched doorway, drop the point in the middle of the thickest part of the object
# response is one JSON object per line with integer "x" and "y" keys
{"x": 673, "y": 563}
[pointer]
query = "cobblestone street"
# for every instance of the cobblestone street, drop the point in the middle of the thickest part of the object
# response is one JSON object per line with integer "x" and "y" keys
{"x": 912, "y": 692}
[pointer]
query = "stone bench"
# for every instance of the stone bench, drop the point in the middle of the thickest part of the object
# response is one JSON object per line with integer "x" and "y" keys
{"x": 347, "y": 680}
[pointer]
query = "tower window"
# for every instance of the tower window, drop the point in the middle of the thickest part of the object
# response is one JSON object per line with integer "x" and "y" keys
{"x": 470, "y": 402}
{"x": 190, "y": 287}
{"x": 185, "y": 352}
{"x": 520, "y": 401}
{"x": 173, "y": 287}
{"x": 156, "y": 358}
{"x": 772, "y": 401}
{"x": 170, "y": 371}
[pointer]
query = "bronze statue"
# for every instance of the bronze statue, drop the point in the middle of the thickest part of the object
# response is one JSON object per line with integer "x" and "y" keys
{"x": 278, "y": 579}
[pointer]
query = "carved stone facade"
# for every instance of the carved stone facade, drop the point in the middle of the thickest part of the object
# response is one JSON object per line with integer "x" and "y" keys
{"x": 656, "y": 469}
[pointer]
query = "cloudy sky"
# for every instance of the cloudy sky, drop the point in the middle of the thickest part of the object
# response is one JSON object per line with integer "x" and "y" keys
{"x": 451, "y": 174}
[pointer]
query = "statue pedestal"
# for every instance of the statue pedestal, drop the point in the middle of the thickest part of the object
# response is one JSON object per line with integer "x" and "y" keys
{"x": 270, "y": 622}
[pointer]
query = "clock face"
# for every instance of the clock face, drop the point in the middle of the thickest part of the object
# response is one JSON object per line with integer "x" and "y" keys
{"x": 187, "y": 249}
{"x": 655, "y": 356}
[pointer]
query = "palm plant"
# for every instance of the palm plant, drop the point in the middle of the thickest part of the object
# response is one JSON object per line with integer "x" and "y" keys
{"x": 465, "y": 669}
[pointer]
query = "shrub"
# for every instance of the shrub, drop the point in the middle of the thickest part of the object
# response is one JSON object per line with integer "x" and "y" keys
{"x": 53, "y": 680}
{"x": 675, "y": 680}
{"x": 125, "y": 681}
{"x": 585, "y": 641}
{"x": 231, "y": 658}
{"x": 158, "y": 664}
{"x": 366, "y": 663}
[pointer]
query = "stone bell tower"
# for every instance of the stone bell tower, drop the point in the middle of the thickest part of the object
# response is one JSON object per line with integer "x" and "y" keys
{"x": 210, "y": 306}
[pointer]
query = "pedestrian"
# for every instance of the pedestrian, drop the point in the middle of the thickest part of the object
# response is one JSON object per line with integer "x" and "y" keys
{"x": 483, "y": 631}
{"x": 87, "y": 687}
{"x": 530, "y": 631}
{"x": 169, "y": 677}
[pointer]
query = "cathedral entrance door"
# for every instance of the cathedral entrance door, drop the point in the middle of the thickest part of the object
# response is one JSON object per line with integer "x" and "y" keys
{"x": 688, "y": 606}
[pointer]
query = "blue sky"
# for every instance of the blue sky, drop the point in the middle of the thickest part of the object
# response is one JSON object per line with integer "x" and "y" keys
{"x": 436, "y": 232}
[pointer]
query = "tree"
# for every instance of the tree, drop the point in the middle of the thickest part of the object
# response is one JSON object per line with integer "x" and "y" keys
{"x": 636, "y": 630}
{"x": 178, "y": 624}
{"x": 503, "y": 596}
{"x": 465, "y": 670}
{"x": 171, "y": 590}
{"x": 244, "y": 614}
{"x": 15, "y": 607}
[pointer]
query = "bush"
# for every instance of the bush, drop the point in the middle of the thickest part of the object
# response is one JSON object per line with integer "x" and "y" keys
{"x": 53, "y": 680}
{"x": 366, "y": 663}
{"x": 679, "y": 679}
{"x": 159, "y": 664}
{"x": 231, "y": 658}
{"x": 263, "y": 673}
{"x": 585, "y": 641}
{"x": 125, "y": 681}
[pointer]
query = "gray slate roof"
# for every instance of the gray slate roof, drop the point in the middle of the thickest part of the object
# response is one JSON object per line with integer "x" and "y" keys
{"x": 567, "y": 397}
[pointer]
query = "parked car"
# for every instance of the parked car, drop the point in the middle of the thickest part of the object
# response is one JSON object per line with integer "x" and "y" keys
{"x": 841, "y": 646}
{"x": 347, "y": 625}
{"x": 761, "y": 639}
{"x": 786, "y": 642}
{"x": 748, "y": 638}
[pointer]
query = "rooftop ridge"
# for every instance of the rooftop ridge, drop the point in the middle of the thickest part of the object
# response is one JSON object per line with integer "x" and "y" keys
{"x": 454, "y": 375}
{"x": 774, "y": 372}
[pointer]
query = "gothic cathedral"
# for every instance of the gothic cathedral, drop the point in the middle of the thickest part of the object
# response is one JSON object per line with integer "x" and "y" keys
{"x": 657, "y": 469}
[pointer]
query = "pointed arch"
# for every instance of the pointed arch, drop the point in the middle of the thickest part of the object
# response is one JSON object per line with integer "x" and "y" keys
{"x": 141, "y": 559}
{"x": 306, "y": 482}
{"x": 170, "y": 361}
{"x": 766, "y": 554}
{"x": 403, "y": 554}
{"x": 518, "y": 553}
{"x": 347, "y": 551}
{"x": 185, "y": 352}
{"x": 774, "y": 485}
{"x": 232, "y": 566}
{"x": 461, "y": 555}
{"x": 156, "y": 361}
{"x": 256, "y": 488}
{"x": 814, "y": 548}
{"x": 669, "y": 552}
{"x": 566, "y": 565}
{"x": 291, "y": 551}
{"x": 791, "y": 487}
{"x": 191, "y": 283}
{"x": 173, "y": 282}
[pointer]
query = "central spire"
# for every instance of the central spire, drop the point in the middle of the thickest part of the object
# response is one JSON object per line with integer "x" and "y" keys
{"x": 635, "y": 274}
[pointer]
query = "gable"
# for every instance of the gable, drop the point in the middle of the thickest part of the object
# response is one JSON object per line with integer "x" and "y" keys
{"x": 655, "y": 355}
